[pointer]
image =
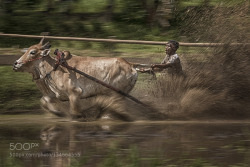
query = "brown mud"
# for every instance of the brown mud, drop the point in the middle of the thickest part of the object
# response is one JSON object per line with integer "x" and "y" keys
{"x": 218, "y": 86}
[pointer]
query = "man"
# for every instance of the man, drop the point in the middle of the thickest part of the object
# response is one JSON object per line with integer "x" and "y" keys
{"x": 171, "y": 62}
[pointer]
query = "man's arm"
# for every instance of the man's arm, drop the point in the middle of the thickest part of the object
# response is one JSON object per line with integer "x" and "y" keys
{"x": 165, "y": 64}
{"x": 160, "y": 67}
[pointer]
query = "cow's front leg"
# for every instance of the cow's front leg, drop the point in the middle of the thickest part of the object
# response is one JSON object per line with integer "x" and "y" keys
{"x": 74, "y": 100}
{"x": 51, "y": 104}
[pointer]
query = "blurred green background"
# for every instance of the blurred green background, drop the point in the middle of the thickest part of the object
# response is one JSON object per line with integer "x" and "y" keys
{"x": 122, "y": 19}
{"x": 155, "y": 20}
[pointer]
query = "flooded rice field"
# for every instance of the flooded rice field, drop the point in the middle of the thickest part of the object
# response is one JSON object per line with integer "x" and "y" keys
{"x": 39, "y": 140}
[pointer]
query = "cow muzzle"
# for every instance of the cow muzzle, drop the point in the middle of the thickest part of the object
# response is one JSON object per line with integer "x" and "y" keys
{"x": 17, "y": 66}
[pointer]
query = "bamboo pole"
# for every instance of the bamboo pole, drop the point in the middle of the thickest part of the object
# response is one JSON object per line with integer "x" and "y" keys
{"x": 119, "y": 41}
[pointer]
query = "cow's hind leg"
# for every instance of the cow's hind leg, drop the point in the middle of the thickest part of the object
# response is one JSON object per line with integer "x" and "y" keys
{"x": 112, "y": 107}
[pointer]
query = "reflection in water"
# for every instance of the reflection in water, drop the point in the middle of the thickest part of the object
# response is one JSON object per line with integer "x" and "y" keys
{"x": 119, "y": 144}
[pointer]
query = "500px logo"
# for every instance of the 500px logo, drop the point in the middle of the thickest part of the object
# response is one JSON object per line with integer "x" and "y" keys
{"x": 23, "y": 146}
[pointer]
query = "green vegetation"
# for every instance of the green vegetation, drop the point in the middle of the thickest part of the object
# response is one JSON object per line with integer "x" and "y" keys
{"x": 186, "y": 3}
{"x": 17, "y": 91}
{"x": 119, "y": 19}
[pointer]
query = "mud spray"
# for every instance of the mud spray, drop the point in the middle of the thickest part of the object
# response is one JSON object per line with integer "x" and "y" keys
{"x": 215, "y": 86}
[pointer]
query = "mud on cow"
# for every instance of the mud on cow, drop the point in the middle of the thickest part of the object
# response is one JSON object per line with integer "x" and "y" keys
{"x": 62, "y": 84}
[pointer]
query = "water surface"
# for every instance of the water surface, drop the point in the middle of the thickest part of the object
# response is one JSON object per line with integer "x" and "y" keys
{"x": 39, "y": 140}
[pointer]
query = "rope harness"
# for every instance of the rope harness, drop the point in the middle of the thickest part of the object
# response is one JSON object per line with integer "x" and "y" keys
{"x": 30, "y": 60}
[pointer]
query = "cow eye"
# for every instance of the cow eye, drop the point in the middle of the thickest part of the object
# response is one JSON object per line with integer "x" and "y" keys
{"x": 33, "y": 52}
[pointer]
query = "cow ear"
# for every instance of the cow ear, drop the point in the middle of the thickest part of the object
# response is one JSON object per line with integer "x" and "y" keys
{"x": 45, "y": 52}
{"x": 46, "y": 46}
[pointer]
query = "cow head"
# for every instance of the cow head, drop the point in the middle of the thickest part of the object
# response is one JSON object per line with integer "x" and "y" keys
{"x": 32, "y": 56}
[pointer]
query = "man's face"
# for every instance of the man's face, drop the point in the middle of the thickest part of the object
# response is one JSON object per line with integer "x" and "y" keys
{"x": 170, "y": 49}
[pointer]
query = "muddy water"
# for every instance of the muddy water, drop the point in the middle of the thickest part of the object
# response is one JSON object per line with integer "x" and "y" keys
{"x": 47, "y": 141}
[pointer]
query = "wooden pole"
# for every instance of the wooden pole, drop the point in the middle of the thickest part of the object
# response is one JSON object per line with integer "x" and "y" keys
{"x": 119, "y": 41}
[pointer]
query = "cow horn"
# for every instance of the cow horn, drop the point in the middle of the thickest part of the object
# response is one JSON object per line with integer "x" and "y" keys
{"x": 41, "y": 42}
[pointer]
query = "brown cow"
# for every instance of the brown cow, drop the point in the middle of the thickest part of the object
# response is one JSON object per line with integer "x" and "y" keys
{"x": 65, "y": 85}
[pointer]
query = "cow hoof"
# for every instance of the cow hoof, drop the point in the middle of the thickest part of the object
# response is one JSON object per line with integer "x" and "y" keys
{"x": 76, "y": 116}
{"x": 106, "y": 117}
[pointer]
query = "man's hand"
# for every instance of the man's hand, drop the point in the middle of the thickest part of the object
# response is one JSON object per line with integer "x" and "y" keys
{"x": 153, "y": 66}
{"x": 156, "y": 66}
{"x": 142, "y": 70}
